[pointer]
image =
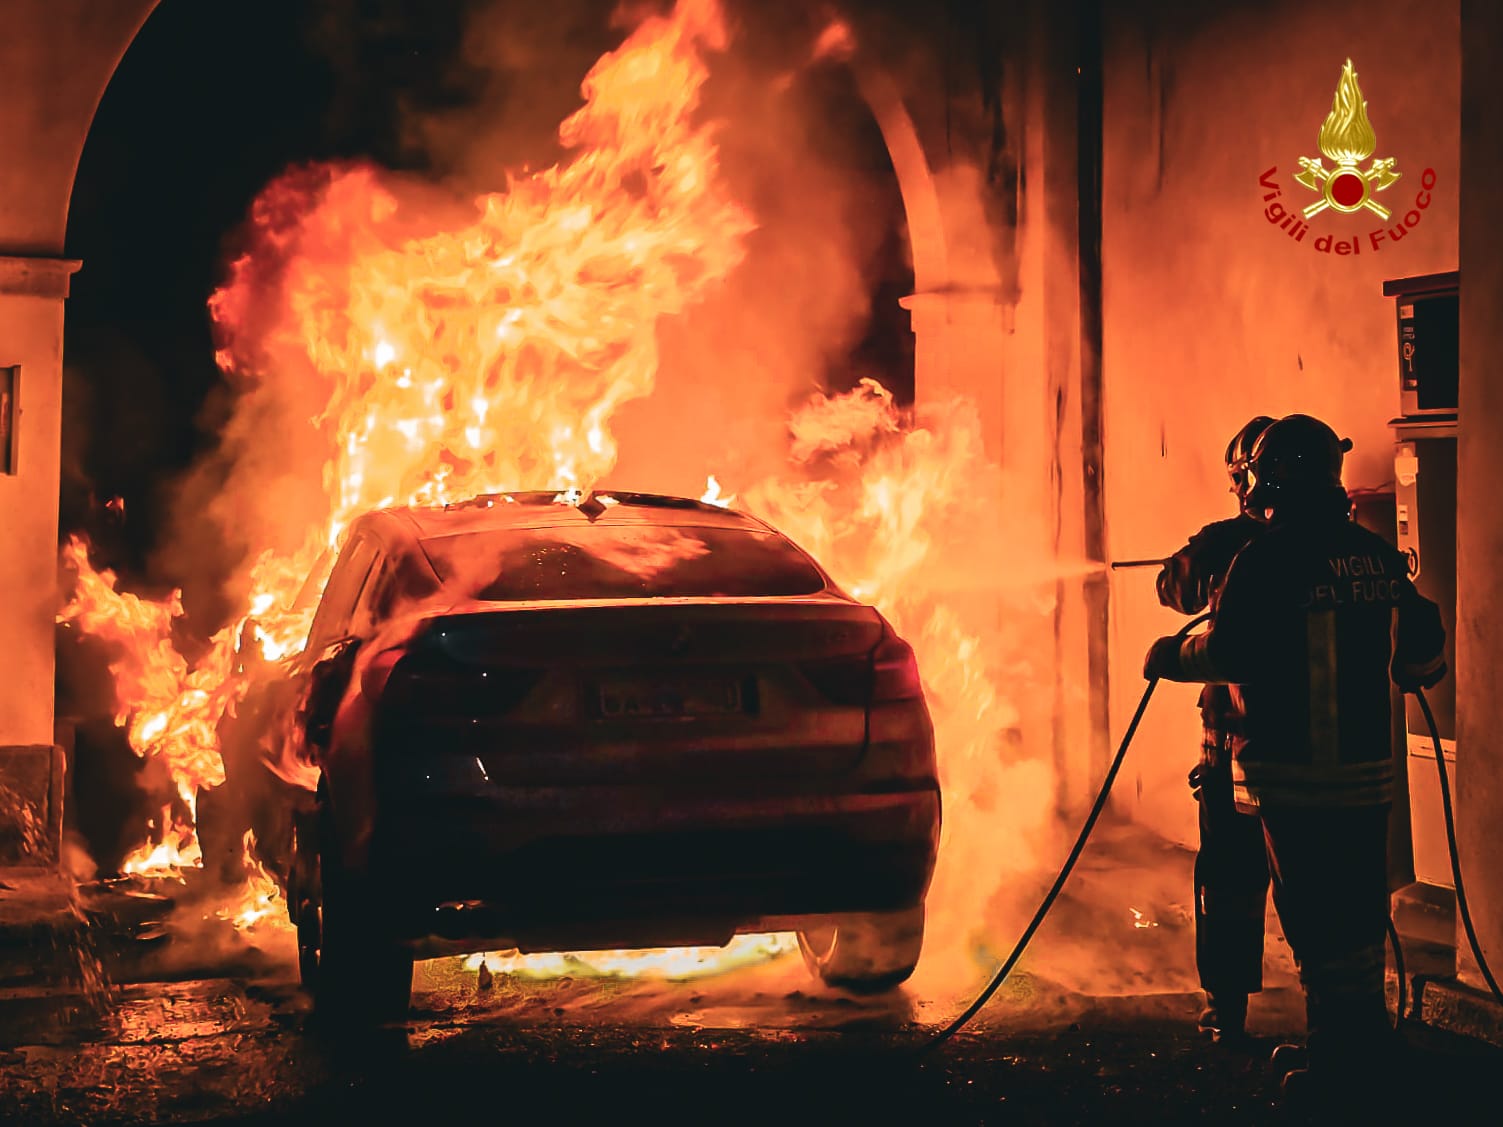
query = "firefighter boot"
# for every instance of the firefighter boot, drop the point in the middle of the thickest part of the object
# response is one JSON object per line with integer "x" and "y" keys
{"x": 1338, "y": 1093}
{"x": 1224, "y": 1020}
{"x": 1339, "y": 1069}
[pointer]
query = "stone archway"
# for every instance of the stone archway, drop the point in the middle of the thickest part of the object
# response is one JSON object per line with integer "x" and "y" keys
{"x": 965, "y": 318}
{"x": 57, "y": 56}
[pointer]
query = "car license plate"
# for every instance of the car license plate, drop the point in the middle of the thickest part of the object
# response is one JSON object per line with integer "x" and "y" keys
{"x": 629, "y": 698}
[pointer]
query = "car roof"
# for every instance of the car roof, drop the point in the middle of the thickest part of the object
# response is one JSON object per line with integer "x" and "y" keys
{"x": 551, "y": 509}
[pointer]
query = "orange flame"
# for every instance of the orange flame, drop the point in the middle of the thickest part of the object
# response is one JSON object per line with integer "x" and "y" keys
{"x": 168, "y": 710}
{"x": 439, "y": 360}
{"x": 259, "y": 901}
{"x": 445, "y": 361}
{"x": 712, "y": 494}
{"x": 492, "y": 355}
{"x": 168, "y": 858}
{"x": 676, "y": 964}
{"x": 887, "y": 501}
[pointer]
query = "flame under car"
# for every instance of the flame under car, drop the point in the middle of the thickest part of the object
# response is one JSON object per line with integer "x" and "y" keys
{"x": 560, "y": 723}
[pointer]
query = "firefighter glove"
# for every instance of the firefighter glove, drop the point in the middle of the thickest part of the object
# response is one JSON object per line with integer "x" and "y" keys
{"x": 1411, "y": 679}
{"x": 1184, "y": 587}
{"x": 1163, "y": 659}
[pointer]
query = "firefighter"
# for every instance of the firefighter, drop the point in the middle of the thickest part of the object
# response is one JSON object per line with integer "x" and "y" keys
{"x": 1304, "y": 636}
{"x": 1231, "y": 866}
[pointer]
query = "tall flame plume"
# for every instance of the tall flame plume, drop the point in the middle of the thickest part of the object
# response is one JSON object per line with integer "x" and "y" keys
{"x": 442, "y": 360}
{"x": 396, "y": 349}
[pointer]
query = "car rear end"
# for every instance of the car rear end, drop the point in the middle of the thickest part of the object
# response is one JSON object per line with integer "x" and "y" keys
{"x": 663, "y": 770}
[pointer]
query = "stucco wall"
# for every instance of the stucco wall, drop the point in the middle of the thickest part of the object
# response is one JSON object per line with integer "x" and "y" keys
{"x": 1213, "y": 314}
{"x": 31, "y": 336}
{"x": 56, "y": 56}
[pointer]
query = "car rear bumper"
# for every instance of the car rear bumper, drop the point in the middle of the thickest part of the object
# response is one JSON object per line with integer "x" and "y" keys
{"x": 592, "y": 867}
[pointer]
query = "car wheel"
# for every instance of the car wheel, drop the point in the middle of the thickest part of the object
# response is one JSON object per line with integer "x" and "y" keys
{"x": 866, "y": 953}
{"x": 305, "y": 905}
{"x": 355, "y": 973}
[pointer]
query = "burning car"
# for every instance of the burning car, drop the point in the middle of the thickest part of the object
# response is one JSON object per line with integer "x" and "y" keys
{"x": 561, "y": 722}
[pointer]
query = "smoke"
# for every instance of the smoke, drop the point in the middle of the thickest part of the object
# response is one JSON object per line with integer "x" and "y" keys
{"x": 524, "y": 62}
{"x": 887, "y": 499}
{"x": 783, "y": 325}
{"x": 786, "y": 322}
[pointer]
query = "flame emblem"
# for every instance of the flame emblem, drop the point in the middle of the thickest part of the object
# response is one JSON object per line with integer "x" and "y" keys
{"x": 1347, "y": 139}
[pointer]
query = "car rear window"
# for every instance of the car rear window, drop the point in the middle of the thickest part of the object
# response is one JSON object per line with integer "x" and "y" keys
{"x": 621, "y": 562}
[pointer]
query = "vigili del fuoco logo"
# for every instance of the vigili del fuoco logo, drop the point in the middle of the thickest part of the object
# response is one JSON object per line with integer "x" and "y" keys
{"x": 1345, "y": 187}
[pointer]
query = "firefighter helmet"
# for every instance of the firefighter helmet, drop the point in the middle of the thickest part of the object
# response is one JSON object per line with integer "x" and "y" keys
{"x": 1297, "y": 457}
{"x": 1239, "y": 452}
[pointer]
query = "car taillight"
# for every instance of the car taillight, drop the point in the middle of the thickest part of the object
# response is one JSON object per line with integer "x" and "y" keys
{"x": 431, "y": 686}
{"x": 890, "y": 673}
{"x": 895, "y": 673}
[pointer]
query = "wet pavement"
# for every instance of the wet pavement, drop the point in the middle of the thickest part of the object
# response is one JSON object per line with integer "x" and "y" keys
{"x": 753, "y": 1045}
{"x": 206, "y": 1023}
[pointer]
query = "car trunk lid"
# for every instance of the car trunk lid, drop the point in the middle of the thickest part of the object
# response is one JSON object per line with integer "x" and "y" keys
{"x": 695, "y": 691}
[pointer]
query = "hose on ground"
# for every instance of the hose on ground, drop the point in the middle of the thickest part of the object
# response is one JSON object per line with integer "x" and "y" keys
{"x": 1462, "y": 905}
{"x": 1064, "y": 873}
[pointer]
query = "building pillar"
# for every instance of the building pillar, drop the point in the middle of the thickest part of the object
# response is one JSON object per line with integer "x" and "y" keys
{"x": 1007, "y": 328}
{"x": 32, "y": 291}
{"x": 1479, "y": 518}
{"x": 998, "y": 318}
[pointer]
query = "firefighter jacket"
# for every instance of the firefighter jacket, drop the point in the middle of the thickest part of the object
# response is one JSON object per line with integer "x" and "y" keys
{"x": 1187, "y": 582}
{"x": 1191, "y": 576}
{"x": 1304, "y": 635}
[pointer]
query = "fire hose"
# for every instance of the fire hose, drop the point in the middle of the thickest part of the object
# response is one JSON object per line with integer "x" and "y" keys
{"x": 1100, "y": 804}
{"x": 1463, "y": 908}
{"x": 1064, "y": 873}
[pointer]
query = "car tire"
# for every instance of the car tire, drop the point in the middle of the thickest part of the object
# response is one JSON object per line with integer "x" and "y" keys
{"x": 867, "y": 953}
{"x": 355, "y": 973}
{"x": 305, "y": 903}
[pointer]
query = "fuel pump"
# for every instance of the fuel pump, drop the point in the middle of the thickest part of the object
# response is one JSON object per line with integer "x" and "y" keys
{"x": 1426, "y": 310}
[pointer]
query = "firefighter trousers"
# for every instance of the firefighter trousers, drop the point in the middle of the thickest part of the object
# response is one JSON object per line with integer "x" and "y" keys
{"x": 1330, "y": 886}
{"x": 1231, "y": 888}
